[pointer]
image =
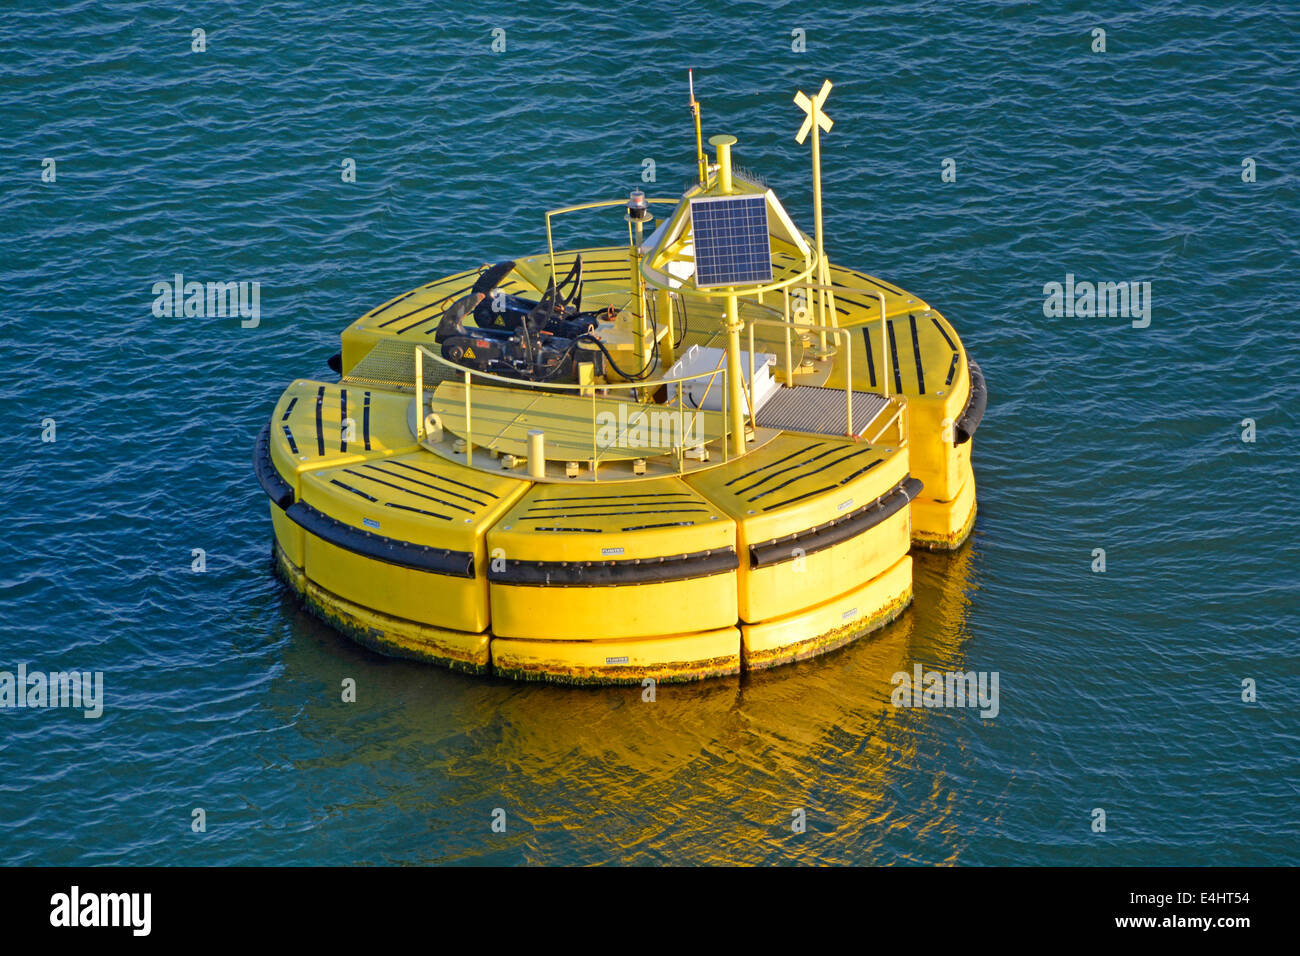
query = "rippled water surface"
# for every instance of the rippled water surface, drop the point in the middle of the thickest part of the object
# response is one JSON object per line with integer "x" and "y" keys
{"x": 1119, "y": 691}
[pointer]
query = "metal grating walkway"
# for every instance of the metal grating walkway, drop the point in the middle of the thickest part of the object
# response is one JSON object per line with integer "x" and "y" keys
{"x": 819, "y": 411}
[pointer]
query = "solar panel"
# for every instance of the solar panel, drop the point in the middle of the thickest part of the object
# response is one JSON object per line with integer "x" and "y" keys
{"x": 732, "y": 246}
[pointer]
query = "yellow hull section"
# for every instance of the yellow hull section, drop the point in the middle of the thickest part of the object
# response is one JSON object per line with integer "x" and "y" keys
{"x": 833, "y": 624}
{"x": 944, "y": 525}
{"x": 381, "y": 632}
{"x": 665, "y": 660}
{"x": 789, "y": 551}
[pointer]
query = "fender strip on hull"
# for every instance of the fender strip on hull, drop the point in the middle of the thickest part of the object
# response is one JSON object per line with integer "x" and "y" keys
{"x": 606, "y": 573}
{"x": 276, "y": 488}
{"x": 835, "y": 532}
{"x": 459, "y": 564}
{"x": 965, "y": 426}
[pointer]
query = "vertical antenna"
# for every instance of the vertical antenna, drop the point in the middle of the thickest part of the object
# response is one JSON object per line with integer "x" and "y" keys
{"x": 699, "y": 141}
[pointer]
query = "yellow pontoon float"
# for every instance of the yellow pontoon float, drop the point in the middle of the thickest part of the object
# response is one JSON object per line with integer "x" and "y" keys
{"x": 704, "y": 451}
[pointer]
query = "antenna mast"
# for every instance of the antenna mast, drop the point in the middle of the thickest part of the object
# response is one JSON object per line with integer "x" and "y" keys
{"x": 699, "y": 141}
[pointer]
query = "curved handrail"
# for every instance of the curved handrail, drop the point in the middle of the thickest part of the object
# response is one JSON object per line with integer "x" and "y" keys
{"x": 468, "y": 375}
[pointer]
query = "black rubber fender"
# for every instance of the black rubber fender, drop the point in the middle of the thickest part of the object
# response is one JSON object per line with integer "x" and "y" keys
{"x": 835, "y": 532}
{"x": 970, "y": 418}
{"x": 377, "y": 547}
{"x": 678, "y": 567}
{"x": 276, "y": 488}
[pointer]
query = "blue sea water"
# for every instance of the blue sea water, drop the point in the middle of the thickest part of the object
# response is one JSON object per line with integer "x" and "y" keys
{"x": 1120, "y": 691}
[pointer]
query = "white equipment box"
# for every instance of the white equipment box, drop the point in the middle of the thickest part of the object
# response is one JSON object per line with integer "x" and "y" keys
{"x": 699, "y": 394}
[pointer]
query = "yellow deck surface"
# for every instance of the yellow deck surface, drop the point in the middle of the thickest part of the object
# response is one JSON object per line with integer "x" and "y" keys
{"x": 501, "y": 418}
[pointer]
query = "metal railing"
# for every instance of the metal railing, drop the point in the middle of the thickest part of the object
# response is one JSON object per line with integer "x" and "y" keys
{"x": 789, "y": 371}
{"x": 680, "y": 445}
{"x": 898, "y": 402}
{"x": 886, "y": 368}
{"x": 599, "y": 204}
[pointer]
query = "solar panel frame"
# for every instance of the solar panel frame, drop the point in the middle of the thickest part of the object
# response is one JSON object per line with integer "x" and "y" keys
{"x": 732, "y": 244}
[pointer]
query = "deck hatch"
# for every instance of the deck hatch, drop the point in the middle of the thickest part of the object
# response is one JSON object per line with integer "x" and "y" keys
{"x": 819, "y": 411}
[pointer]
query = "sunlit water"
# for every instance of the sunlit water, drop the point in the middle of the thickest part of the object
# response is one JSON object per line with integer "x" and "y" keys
{"x": 1119, "y": 691}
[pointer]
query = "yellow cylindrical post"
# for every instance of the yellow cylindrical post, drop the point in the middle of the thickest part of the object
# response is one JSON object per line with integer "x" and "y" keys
{"x": 817, "y": 225}
{"x": 723, "y": 146}
{"x": 885, "y": 370}
{"x": 667, "y": 352}
{"x": 644, "y": 349}
{"x": 735, "y": 404}
{"x": 700, "y": 158}
{"x": 419, "y": 393}
{"x": 536, "y": 453}
{"x": 735, "y": 378}
{"x": 700, "y": 161}
{"x": 469, "y": 427}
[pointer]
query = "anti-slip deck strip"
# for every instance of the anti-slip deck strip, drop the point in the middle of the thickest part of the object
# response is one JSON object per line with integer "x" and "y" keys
{"x": 402, "y": 298}
{"x": 773, "y": 464}
{"x": 916, "y": 355}
{"x": 956, "y": 352}
{"x": 436, "y": 313}
{"x": 365, "y": 423}
{"x": 343, "y": 420}
{"x": 825, "y": 488}
{"x": 451, "y": 481}
{"x": 790, "y": 481}
{"x": 871, "y": 360}
{"x": 893, "y": 353}
{"x": 775, "y": 474}
{"x": 424, "y": 484}
{"x": 408, "y": 491}
{"x": 419, "y": 511}
{"x": 320, "y": 431}
{"x": 356, "y": 491}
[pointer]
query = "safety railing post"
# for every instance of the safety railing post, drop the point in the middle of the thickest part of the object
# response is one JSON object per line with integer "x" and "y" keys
{"x": 687, "y": 437}
{"x": 681, "y": 433}
{"x": 726, "y": 435}
{"x": 419, "y": 393}
{"x": 848, "y": 378}
{"x": 887, "y": 372}
{"x": 469, "y": 426}
{"x": 789, "y": 355}
{"x": 751, "y": 376}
